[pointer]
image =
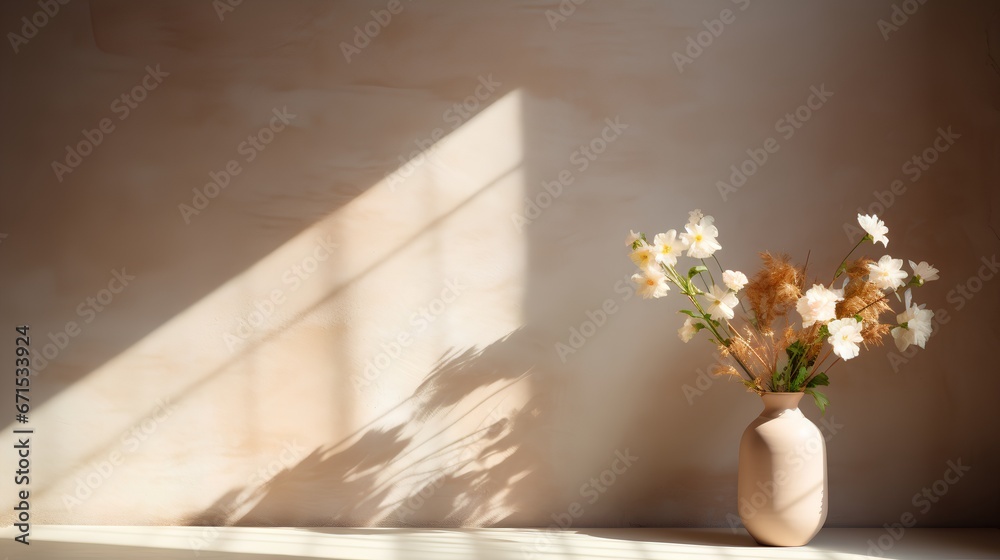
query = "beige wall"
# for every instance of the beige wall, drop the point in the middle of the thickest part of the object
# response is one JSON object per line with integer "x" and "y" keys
{"x": 354, "y": 250}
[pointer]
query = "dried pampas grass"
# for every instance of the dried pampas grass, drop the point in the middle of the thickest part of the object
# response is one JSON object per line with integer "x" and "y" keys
{"x": 773, "y": 291}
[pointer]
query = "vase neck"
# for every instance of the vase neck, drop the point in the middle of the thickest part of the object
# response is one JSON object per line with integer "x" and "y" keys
{"x": 776, "y": 404}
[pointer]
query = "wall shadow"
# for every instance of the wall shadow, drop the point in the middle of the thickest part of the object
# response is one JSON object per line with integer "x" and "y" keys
{"x": 193, "y": 124}
{"x": 476, "y": 478}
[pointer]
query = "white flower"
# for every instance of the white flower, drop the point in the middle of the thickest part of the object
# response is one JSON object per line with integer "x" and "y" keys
{"x": 644, "y": 257}
{"x": 903, "y": 337}
{"x": 875, "y": 228}
{"x": 845, "y": 334}
{"x": 695, "y": 216}
{"x": 688, "y": 330}
{"x": 721, "y": 303}
{"x": 924, "y": 272}
{"x": 734, "y": 280}
{"x": 667, "y": 247}
{"x": 651, "y": 283}
{"x": 632, "y": 238}
{"x": 887, "y": 273}
{"x": 914, "y": 325}
{"x": 818, "y": 305}
{"x": 700, "y": 238}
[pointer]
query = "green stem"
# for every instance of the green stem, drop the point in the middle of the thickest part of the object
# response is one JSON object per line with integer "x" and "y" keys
{"x": 743, "y": 307}
{"x": 816, "y": 371}
{"x": 709, "y": 270}
{"x": 673, "y": 276}
{"x": 843, "y": 262}
{"x": 722, "y": 340}
{"x": 687, "y": 287}
{"x": 707, "y": 288}
{"x": 721, "y": 270}
{"x": 728, "y": 327}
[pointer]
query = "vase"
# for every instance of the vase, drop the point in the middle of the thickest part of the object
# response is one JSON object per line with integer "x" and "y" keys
{"x": 782, "y": 490}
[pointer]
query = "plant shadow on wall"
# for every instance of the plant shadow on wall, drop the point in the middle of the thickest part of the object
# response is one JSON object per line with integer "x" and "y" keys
{"x": 449, "y": 456}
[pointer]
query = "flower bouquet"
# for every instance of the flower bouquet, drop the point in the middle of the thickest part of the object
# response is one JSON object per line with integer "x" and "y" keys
{"x": 782, "y": 484}
{"x": 772, "y": 352}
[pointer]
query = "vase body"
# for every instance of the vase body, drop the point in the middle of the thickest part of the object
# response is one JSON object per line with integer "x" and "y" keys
{"x": 782, "y": 490}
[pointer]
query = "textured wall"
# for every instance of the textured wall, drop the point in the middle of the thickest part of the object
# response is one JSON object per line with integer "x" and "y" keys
{"x": 279, "y": 273}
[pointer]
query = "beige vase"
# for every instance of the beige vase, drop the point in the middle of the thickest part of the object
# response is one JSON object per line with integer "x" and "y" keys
{"x": 782, "y": 474}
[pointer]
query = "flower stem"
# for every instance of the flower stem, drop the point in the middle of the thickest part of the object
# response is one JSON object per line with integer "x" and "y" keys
{"x": 816, "y": 370}
{"x": 709, "y": 270}
{"x": 843, "y": 262}
{"x": 722, "y": 340}
{"x": 883, "y": 298}
{"x": 742, "y": 306}
{"x": 750, "y": 346}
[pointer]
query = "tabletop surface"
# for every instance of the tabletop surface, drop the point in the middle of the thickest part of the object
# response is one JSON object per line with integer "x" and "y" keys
{"x": 249, "y": 543}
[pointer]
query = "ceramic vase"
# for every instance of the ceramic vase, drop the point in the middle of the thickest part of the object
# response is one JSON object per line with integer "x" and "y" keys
{"x": 782, "y": 489}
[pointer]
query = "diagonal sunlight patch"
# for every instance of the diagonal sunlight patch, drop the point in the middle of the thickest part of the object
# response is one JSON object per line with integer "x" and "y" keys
{"x": 304, "y": 347}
